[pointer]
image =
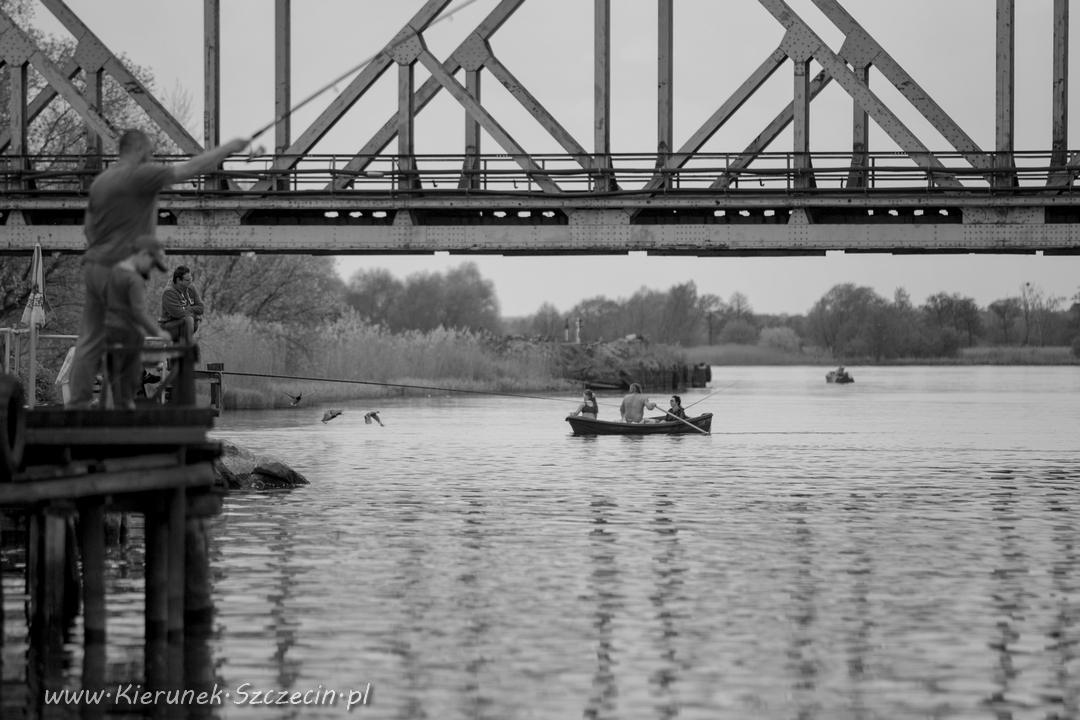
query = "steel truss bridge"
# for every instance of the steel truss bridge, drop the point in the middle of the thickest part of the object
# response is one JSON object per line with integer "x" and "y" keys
{"x": 677, "y": 200}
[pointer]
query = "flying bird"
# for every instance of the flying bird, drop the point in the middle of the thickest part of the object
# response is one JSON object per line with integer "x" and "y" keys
{"x": 373, "y": 416}
{"x": 296, "y": 398}
{"x": 330, "y": 415}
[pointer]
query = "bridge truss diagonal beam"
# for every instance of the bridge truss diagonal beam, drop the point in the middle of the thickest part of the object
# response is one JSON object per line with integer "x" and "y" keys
{"x": 353, "y": 92}
{"x": 12, "y": 35}
{"x": 800, "y": 34}
{"x": 721, "y": 116}
{"x": 860, "y": 47}
{"x": 482, "y": 116}
{"x": 91, "y": 47}
{"x": 768, "y": 135}
{"x": 495, "y": 20}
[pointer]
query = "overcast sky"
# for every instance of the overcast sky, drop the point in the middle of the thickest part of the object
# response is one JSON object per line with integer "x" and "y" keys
{"x": 947, "y": 45}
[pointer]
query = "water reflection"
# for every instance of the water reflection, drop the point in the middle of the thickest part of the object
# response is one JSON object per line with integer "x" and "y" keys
{"x": 668, "y": 594}
{"x": 604, "y": 587}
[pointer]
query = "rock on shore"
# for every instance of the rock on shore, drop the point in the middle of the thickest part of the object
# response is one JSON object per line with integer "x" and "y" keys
{"x": 240, "y": 469}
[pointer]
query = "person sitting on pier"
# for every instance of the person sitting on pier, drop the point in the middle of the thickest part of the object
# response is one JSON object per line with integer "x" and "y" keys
{"x": 126, "y": 319}
{"x": 123, "y": 207}
{"x": 634, "y": 405}
{"x": 589, "y": 408}
{"x": 181, "y": 307}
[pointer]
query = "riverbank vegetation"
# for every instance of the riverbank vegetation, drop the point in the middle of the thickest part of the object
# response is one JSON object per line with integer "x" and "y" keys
{"x": 349, "y": 348}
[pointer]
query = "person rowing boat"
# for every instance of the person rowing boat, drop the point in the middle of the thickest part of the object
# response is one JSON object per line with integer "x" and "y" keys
{"x": 634, "y": 405}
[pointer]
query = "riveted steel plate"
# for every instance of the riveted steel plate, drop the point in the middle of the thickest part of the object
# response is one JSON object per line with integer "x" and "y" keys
{"x": 800, "y": 44}
{"x": 91, "y": 55}
{"x": 406, "y": 47}
{"x": 472, "y": 53}
{"x": 15, "y": 47}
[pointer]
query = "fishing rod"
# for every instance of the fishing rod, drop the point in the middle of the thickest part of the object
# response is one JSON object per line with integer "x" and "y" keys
{"x": 357, "y": 68}
{"x": 715, "y": 393}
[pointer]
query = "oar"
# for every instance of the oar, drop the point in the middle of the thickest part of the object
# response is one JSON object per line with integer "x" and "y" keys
{"x": 715, "y": 393}
{"x": 684, "y": 422}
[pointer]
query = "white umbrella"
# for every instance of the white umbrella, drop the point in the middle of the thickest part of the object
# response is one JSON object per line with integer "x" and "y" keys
{"x": 34, "y": 315}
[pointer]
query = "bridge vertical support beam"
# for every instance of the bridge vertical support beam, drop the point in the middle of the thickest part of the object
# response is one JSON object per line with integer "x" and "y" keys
{"x": 406, "y": 114}
{"x": 469, "y": 178}
{"x": 1060, "y": 143}
{"x": 93, "y": 94}
{"x": 801, "y": 130}
{"x": 665, "y": 70}
{"x": 860, "y": 137}
{"x": 602, "y": 94}
{"x": 282, "y": 79}
{"x": 1006, "y": 97}
{"x": 211, "y": 73}
{"x": 18, "y": 117}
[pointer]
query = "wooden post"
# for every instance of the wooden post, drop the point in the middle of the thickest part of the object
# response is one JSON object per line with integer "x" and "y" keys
{"x": 198, "y": 603}
{"x": 177, "y": 518}
{"x": 92, "y": 537}
{"x": 52, "y": 576}
{"x": 157, "y": 588}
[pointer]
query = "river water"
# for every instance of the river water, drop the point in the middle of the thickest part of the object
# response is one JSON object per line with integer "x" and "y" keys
{"x": 904, "y": 546}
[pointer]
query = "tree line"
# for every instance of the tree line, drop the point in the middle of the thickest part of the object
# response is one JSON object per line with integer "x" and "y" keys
{"x": 847, "y": 321}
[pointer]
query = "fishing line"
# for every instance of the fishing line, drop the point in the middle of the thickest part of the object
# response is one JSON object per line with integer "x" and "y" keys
{"x": 417, "y": 387}
{"x": 330, "y": 85}
{"x": 715, "y": 393}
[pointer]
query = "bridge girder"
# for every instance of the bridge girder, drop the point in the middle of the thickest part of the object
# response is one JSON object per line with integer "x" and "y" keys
{"x": 918, "y": 200}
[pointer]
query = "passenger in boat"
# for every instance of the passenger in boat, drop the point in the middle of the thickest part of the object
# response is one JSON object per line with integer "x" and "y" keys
{"x": 676, "y": 408}
{"x": 589, "y": 408}
{"x": 634, "y": 405}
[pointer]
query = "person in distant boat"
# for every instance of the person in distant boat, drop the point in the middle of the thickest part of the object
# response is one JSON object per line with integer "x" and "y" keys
{"x": 676, "y": 408}
{"x": 634, "y": 405}
{"x": 181, "y": 307}
{"x": 588, "y": 408}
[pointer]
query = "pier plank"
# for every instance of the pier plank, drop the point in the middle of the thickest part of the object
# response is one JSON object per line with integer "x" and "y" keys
{"x": 107, "y": 483}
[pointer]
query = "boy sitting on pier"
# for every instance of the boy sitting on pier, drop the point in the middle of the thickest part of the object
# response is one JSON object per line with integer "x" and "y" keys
{"x": 126, "y": 319}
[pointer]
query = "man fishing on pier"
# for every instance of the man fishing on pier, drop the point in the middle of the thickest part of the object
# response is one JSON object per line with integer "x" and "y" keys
{"x": 123, "y": 208}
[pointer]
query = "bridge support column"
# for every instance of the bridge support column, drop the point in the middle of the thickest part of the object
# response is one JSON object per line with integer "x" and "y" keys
{"x": 602, "y": 96}
{"x": 18, "y": 120}
{"x": 282, "y": 80}
{"x": 1006, "y": 100}
{"x": 1060, "y": 142}
{"x": 665, "y": 116}
{"x": 212, "y": 74}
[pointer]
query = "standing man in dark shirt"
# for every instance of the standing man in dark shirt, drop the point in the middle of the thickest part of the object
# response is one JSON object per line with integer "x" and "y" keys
{"x": 181, "y": 307}
{"x": 122, "y": 208}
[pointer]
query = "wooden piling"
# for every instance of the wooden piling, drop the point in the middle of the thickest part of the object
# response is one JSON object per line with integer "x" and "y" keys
{"x": 53, "y": 568}
{"x": 198, "y": 603}
{"x": 157, "y": 589}
{"x": 177, "y": 531}
{"x": 92, "y": 541}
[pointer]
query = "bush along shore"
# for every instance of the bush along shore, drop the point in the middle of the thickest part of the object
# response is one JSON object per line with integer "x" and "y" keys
{"x": 433, "y": 361}
{"x": 351, "y": 350}
{"x": 733, "y": 355}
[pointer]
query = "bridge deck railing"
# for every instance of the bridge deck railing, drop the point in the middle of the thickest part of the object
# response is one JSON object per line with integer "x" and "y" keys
{"x": 778, "y": 172}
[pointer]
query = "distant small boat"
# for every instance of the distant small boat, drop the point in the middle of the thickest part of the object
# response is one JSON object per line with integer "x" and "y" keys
{"x": 586, "y": 426}
{"x": 839, "y": 378}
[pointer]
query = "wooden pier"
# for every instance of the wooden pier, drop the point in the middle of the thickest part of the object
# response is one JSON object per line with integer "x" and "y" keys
{"x": 62, "y": 472}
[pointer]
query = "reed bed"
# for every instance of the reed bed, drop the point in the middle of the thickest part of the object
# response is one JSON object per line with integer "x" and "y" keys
{"x": 350, "y": 349}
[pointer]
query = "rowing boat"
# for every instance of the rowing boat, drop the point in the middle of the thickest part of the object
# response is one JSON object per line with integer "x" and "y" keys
{"x": 586, "y": 426}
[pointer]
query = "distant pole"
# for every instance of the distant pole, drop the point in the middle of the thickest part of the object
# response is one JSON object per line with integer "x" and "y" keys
{"x": 577, "y": 332}
{"x": 566, "y": 331}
